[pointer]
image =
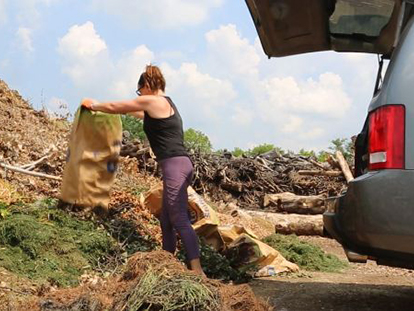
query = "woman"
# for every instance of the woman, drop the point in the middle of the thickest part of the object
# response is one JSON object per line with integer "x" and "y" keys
{"x": 164, "y": 129}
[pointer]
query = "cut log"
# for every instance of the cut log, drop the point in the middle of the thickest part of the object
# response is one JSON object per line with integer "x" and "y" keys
{"x": 293, "y": 223}
{"x": 31, "y": 173}
{"x": 320, "y": 173}
{"x": 291, "y": 203}
{"x": 344, "y": 166}
{"x": 232, "y": 186}
{"x": 333, "y": 162}
{"x": 318, "y": 164}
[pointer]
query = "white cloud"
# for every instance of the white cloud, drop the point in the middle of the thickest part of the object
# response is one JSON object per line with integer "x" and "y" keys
{"x": 242, "y": 116}
{"x": 324, "y": 97}
{"x": 288, "y": 110}
{"x": 24, "y": 37}
{"x": 86, "y": 60}
{"x": 290, "y": 107}
{"x": 3, "y": 15}
{"x": 158, "y": 13}
{"x": 356, "y": 57}
{"x": 312, "y": 134}
{"x": 128, "y": 69}
{"x": 198, "y": 90}
{"x": 293, "y": 124}
{"x": 82, "y": 42}
{"x": 29, "y": 14}
{"x": 232, "y": 54}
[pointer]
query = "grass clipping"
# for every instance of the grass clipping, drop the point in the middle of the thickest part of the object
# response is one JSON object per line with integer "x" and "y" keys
{"x": 307, "y": 256}
{"x": 166, "y": 291}
{"x": 161, "y": 282}
{"x": 48, "y": 245}
{"x": 152, "y": 281}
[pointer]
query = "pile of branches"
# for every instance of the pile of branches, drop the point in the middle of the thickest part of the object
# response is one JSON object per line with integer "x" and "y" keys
{"x": 249, "y": 179}
{"x": 246, "y": 180}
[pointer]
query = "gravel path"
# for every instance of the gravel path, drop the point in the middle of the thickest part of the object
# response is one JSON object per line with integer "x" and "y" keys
{"x": 360, "y": 287}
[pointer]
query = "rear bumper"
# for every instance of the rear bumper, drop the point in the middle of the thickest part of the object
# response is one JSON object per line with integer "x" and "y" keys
{"x": 375, "y": 216}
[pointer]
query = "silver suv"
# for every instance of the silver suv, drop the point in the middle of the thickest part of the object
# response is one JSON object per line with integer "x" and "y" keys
{"x": 375, "y": 218}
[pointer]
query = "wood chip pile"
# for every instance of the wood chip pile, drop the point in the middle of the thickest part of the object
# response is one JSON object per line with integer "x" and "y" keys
{"x": 32, "y": 141}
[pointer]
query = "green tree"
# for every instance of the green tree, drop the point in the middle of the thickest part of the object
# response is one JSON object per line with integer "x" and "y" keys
{"x": 134, "y": 126}
{"x": 323, "y": 156}
{"x": 197, "y": 141}
{"x": 343, "y": 145}
{"x": 237, "y": 152}
{"x": 307, "y": 153}
{"x": 260, "y": 149}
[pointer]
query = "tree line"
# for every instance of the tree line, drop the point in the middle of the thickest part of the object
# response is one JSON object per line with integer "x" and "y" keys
{"x": 197, "y": 141}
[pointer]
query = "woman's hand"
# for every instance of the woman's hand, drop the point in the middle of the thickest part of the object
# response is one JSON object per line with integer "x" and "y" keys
{"x": 88, "y": 103}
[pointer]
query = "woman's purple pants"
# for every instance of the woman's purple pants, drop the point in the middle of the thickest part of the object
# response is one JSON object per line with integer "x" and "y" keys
{"x": 177, "y": 173}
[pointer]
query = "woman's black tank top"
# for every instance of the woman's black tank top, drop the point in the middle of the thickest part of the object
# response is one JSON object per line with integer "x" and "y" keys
{"x": 165, "y": 135}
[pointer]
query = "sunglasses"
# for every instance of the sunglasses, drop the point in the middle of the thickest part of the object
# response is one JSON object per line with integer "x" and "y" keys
{"x": 139, "y": 90}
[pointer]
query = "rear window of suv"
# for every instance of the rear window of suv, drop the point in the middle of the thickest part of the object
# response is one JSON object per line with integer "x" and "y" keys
{"x": 360, "y": 17}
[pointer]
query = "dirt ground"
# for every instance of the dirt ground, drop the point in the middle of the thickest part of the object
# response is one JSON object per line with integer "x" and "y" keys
{"x": 359, "y": 287}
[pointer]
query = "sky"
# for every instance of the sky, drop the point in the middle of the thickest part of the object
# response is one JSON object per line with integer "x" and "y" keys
{"x": 56, "y": 52}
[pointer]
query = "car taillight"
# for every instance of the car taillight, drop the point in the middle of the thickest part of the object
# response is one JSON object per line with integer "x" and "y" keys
{"x": 387, "y": 138}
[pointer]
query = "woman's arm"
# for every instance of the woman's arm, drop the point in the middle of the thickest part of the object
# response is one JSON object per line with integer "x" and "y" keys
{"x": 138, "y": 104}
{"x": 137, "y": 114}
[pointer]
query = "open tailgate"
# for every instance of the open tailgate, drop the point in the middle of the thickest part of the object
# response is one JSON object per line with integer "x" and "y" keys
{"x": 289, "y": 27}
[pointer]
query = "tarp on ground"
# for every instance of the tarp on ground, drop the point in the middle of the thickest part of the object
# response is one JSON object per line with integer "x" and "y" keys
{"x": 266, "y": 260}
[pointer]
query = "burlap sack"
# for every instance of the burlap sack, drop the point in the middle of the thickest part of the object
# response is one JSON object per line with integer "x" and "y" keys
{"x": 254, "y": 253}
{"x": 207, "y": 229}
{"x": 262, "y": 258}
{"x": 219, "y": 237}
{"x": 231, "y": 233}
{"x": 152, "y": 200}
{"x": 94, "y": 147}
{"x": 197, "y": 207}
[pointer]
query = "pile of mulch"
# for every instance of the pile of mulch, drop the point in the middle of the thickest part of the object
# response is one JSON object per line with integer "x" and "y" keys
{"x": 127, "y": 210}
{"x": 132, "y": 179}
{"x": 173, "y": 287}
{"x": 27, "y": 135}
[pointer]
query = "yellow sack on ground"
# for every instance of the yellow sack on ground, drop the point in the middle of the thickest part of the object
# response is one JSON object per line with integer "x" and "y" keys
{"x": 219, "y": 237}
{"x": 232, "y": 233}
{"x": 251, "y": 252}
{"x": 199, "y": 209}
{"x": 94, "y": 147}
{"x": 208, "y": 229}
{"x": 197, "y": 206}
{"x": 254, "y": 253}
{"x": 152, "y": 200}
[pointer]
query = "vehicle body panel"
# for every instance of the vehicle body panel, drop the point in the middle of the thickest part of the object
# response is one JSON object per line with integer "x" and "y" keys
{"x": 375, "y": 216}
{"x": 369, "y": 217}
{"x": 398, "y": 88}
